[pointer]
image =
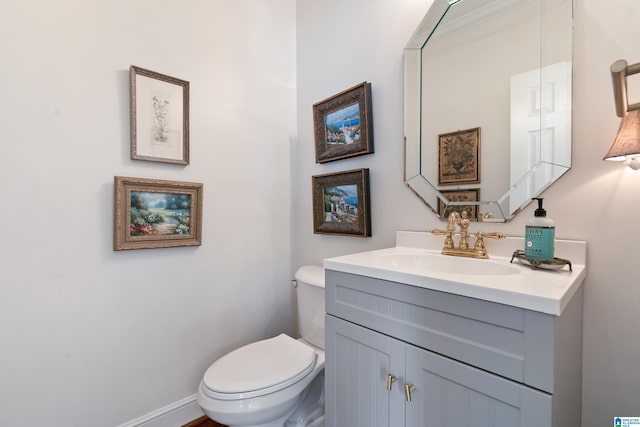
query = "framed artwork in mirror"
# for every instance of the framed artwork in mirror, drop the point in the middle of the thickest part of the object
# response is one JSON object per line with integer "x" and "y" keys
{"x": 341, "y": 203}
{"x": 153, "y": 213}
{"x": 467, "y": 195}
{"x": 459, "y": 157}
{"x": 342, "y": 124}
{"x": 159, "y": 117}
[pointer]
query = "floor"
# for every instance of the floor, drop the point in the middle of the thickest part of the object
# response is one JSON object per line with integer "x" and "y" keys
{"x": 203, "y": 422}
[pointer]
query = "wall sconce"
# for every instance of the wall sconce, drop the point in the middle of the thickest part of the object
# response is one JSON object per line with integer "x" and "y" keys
{"x": 626, "y": 146}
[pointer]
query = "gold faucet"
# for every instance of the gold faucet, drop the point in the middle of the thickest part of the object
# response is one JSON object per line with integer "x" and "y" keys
{"x": 479, "y": 250}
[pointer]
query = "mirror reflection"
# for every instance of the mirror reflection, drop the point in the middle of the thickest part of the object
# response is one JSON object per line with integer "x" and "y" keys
{"x": 488, "y": 104}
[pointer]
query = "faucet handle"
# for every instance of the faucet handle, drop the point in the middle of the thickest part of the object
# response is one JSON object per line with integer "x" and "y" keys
{"x": 492, "y": 235}
{"x": 480, "y": 248}
{"x": 448, "y": 240}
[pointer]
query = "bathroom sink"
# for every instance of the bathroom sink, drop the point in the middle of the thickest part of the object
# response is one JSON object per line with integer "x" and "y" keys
{"x": 437, "y": 263}
{"x": 417, "y": 261}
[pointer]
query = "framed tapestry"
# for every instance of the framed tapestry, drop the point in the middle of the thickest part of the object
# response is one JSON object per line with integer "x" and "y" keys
{"x": 460, "y": 196}
{"x": 459, "y": 157}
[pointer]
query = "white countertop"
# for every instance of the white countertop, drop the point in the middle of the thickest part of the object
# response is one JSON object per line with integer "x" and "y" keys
{"x": 499, "y": 281}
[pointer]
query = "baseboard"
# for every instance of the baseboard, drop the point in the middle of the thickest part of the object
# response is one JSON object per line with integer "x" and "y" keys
{"x": 172, "y": 415}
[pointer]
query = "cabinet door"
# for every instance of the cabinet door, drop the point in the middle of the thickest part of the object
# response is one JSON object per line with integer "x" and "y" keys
{"x": 451, "y": 394}
{"x": 358, "y": 362}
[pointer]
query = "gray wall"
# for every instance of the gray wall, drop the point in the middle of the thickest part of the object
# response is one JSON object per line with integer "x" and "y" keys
{"x": 340, "y": 44}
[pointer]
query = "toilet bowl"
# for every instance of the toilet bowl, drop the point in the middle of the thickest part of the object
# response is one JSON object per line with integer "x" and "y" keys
{"x": 277, "y": 382}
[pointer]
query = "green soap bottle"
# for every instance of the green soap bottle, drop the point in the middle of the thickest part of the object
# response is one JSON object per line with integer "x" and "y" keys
{"x": 539, "y": 234}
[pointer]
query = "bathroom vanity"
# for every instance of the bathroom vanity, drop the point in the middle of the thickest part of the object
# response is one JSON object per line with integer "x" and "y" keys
{"x": 416, "y": 338}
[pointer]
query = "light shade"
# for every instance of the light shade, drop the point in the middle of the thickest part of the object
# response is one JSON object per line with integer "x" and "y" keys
{"x": 626, "y": 146}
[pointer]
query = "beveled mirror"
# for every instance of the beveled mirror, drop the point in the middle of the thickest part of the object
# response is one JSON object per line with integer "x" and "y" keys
{"x": 487, "y": 96}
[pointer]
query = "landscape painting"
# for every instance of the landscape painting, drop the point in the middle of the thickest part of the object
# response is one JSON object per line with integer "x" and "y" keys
{"x": 152, "y": 213}
{"x": 341, "y": 203}
{"x": 161, "y": 214}
{"x": 342, "y": 124}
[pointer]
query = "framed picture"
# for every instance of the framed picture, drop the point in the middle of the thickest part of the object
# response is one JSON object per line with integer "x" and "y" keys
{"x": 342, "y": 124}
{"x": 152, "y": 213}
{"x": 459, "y": 157}
{"x": 341, "y": 203}
{"x": 468, "y": 195}
{"x": 159, "y": 117}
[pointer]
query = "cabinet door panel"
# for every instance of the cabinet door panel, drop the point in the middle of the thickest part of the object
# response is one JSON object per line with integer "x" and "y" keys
{"x": 451, "y": 394}
{"x": 357, "y": 364}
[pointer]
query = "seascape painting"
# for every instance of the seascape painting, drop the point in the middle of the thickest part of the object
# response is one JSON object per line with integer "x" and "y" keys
{"x": 343, "y": 126}
{"x": 160, "y": 214}
{"x": 341, "y": 203}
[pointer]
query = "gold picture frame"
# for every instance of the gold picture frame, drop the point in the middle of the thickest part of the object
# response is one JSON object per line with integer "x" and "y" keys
{"x": 459, "y": 157}
{"x": 459, "y": 196}
{"x": 154, "y": 213}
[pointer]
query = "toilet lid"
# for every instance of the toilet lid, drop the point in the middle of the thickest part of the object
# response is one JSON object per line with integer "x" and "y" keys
{"x": 260, "y": 365}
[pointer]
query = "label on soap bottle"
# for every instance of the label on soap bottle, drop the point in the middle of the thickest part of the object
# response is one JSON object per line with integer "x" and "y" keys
{"x": 538, "y": 242}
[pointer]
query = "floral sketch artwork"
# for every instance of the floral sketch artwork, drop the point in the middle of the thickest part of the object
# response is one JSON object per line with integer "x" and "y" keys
{"x": 159, "y": 130}
{"x": 160, "y": 109}
{"x": 159, "y": 117}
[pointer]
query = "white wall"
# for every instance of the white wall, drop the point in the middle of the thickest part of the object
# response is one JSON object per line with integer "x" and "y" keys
{"x": 596, "y": 201}
{"x": 89, "y": 336}
{"x": 340, "y": 44}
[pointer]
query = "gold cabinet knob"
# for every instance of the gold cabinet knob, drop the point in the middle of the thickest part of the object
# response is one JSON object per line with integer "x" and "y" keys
{"x": 408, "y": 388}
{"x": 390, "y": 380}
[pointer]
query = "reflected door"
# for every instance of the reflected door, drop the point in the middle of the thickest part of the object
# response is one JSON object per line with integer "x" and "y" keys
{"x": 540, "y": 130}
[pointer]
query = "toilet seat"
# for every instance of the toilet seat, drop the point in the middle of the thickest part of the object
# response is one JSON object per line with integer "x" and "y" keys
{"x": 259, "y": 368}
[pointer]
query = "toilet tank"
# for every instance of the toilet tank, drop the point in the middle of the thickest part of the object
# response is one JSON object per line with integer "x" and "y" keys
{"x": 310, "y": 296}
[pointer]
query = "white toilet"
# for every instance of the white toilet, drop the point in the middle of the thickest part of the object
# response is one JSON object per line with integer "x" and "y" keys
{"x": 277, "y": 382}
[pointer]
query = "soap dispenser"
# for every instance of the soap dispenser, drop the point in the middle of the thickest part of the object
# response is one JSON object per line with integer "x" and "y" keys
{"x": 539, "y": 235}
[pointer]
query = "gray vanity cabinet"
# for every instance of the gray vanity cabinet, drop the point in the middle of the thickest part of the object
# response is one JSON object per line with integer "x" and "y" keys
{"x": 361, "y": 361}
{"x": 449, "y": 393}
{"x": 464, "y": 361}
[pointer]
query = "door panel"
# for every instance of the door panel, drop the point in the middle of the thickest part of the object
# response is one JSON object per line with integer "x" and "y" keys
{"x": 357, "y": 364}
{"x": 451, "y": 394}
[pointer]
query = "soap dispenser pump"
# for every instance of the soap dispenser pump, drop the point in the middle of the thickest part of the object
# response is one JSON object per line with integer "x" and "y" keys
{"x": 540, "y": 233}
